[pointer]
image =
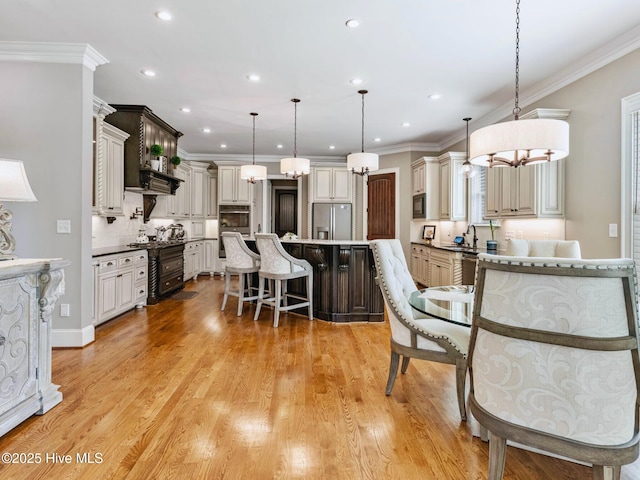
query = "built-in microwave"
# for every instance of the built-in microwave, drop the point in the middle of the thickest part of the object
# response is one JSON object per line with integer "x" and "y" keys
{"x": 419, "y": 205}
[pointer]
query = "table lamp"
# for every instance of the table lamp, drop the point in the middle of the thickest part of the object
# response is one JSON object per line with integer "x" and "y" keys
{"x": 14, "y": 187}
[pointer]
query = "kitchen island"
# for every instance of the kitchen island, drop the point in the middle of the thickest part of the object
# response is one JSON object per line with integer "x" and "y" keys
{"x": 344, "y": 287}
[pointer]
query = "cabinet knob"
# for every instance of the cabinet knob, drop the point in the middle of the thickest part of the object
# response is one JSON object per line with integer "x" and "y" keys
{"x": 167, "y": 284}
{"x": 127, "y": 260}
{"x": 141, "y": 292}
{"x": 109, "y": 264}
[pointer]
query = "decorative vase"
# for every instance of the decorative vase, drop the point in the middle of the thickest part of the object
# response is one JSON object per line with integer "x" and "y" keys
{"x": 155, "y": 165}
{"x": 492, "y": 245}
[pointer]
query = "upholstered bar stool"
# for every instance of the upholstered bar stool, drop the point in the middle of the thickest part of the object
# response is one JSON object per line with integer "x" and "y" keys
{"x": 243, "y": 262}
{"x": 277, "y": 265}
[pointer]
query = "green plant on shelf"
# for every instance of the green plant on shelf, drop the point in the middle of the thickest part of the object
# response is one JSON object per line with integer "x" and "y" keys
{"x": 175, "y": 161}
{"x": 156, "y": 150}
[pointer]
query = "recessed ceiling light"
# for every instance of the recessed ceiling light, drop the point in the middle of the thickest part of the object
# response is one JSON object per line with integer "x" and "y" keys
{"x": 148, "y": 73}
{"x": 223, "y": 145}
{"x": 435, "y": 96}
{"x": 406, "y": 124}
{"x": 279, "y": 145}
{"x": 185, "y": 110}
{"x": 352, "y": 23}
{"x": 377, "y": 139}
{"x": 332, "y": 147}
{"x": 206, "y": 130}
{"x": 164, "y": 15}
{"x": 254, "y": 77}
{"x": 355, "y": 81}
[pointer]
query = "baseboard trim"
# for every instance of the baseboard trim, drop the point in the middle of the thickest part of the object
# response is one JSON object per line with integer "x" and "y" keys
{"x": 72, "y": 337}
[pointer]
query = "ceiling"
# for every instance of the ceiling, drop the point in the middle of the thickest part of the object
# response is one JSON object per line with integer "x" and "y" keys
{"x": 403, "y": 51}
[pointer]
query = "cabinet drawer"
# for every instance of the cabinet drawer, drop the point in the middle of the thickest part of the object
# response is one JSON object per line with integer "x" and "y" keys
{"x": 441, "y": 257}
{"x": 125, "y": 261}
{"x": 108, "y": 265}
{"x": 140, "y": 292}
{"x": 140, "y": 257}
{"x": 171, "y": 265}
{"x": 141, "y": 273}
{"x": 170, "y": 283}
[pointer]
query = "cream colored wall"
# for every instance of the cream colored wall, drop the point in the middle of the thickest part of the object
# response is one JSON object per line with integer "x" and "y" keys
{"x": 592, "y": 185}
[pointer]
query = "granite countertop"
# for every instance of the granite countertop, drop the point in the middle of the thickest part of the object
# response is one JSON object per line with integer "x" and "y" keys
{"x": 315, "y": 241}
{"x": 101, "y": 251}
{"x": 456, "y": 248}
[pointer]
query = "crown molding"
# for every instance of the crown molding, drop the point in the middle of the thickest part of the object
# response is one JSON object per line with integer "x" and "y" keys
{"x": 239, "y": 159}
{"x": 100, "y": 107}
{"x": 74, "y": 53}
{"x": 407, "y": 147}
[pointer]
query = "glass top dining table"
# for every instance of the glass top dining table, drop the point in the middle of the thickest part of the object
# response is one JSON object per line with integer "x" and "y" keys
{"x": 452, "y": 304}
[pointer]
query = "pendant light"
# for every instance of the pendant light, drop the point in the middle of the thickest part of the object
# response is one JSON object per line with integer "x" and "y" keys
{"x": 253, "y": 173}
{"x": 520, "y": 142}
{"x": 468, "y": 170}
{"x": 362, "y": 163}
{"x": 295, "y": 167}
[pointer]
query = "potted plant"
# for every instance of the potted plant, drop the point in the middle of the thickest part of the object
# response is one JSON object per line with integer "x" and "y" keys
{"x": 175, "y": 161}
{"x": 492, "y": 244}
{"x": 156, "y": 151}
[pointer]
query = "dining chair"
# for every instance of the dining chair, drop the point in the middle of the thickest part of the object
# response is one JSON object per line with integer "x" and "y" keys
{"x": 414, "y": 335}
{"x": 553, "y": 359}
{"x": 240, "y": 261}
{"x": 280, "y": 267}
{"x": 543, "y": 248}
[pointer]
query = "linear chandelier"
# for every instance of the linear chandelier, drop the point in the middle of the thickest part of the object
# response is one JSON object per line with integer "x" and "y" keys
{"x": 293, "y": 166}
{"x": 519, "y": 142}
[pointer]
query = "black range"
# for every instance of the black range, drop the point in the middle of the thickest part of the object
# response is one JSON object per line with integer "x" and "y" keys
{"x": 166, "y": 268}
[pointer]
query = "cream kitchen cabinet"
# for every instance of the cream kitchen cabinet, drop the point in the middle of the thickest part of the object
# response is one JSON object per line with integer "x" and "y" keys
{"x": 210, "y": 257}
{"x": 332, "y": 184}
{"x": 178, "y": 205}
{"x": 212, "y": 196}
{"x": 192, "y": 260}
{"x": 231, "y": 188}
{"x": 108, "y": 165}
{"x": 453, "y": 191}
{"x": 493, "y": 194}
{"x": 198, "y": 189}
{"x": 445, "y": 268}
{"x": 122, "y": 283}
{"x": 426, "y": 180}
{"x": 420, "y": 263}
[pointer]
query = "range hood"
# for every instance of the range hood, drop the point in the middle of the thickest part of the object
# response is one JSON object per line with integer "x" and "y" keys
{"x": 152, "y": 181}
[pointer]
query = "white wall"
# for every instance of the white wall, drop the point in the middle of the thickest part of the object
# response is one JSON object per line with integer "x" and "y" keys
{"x": 46, "y": 121}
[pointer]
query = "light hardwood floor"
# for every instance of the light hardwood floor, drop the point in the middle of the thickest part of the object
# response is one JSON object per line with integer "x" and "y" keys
{"x": 180, "y": 390}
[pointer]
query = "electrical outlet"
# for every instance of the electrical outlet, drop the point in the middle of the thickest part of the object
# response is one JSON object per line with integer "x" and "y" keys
{"x": 63, "y": 226}
{"x": 545, "y": 235}
{"x": 64, "y": 310}
{"x": 509, "y": 235}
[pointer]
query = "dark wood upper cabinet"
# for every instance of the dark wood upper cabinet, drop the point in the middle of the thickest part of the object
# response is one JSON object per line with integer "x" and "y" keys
{"x": 145, "y": 129}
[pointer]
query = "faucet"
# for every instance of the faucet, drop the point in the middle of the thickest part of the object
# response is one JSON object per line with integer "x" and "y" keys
{"x": 475, "y": 238}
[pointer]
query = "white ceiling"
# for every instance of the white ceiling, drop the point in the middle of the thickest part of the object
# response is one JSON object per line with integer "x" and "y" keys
{"x": 404, "y": 51}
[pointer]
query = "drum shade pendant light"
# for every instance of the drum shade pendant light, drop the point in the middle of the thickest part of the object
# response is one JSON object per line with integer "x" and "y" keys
{"x": 468, "y": 170}
{"x": 519, "y": 142}
{"x": 253, "y": 173}
{"x": 295, "y": 167}
{"x": 362, "y": 163}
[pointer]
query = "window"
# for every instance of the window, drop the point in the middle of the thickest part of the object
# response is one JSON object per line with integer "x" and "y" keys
{"x": 477, "y": 190}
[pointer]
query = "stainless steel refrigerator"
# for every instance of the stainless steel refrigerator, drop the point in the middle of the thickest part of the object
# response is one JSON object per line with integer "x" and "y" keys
{"x": 331, "y": 221}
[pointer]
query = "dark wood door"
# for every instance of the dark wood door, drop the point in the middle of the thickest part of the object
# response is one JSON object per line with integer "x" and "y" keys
{"x": 381, "y": 206}
{"x": 286, "y": 212}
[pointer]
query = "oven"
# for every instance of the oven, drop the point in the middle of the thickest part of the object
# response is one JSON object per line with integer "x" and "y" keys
{"x": 233, "y": 218}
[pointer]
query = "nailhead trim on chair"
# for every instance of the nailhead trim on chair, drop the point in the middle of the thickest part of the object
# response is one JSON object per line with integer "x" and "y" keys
{"x": 404, "y": 320}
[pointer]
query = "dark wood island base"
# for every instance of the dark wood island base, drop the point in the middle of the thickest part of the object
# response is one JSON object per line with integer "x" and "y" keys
{"x": 344, "y": 283}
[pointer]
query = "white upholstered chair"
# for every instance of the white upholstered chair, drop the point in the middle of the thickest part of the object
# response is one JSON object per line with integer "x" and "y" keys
{"x": 277, "y": 265}
{"x": 243, "y": 262}
{"x": 543, "y": 248}
{"x": 553, "y": 359}
{"x": 414, "y": 335}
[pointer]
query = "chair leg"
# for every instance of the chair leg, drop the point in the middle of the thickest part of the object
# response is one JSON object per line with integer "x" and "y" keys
{"x": 461, "y": 379}
{"x": 285, "y": 300}
{"x": 310, "y": 295}
{"x": 276, "y": 313}
{"x": 227, "y": 284}
{"x": 606, "y": 472}
{"x": 405, "y": 364}
{"x": 497, "y": 454}
{"x": 260, "y": 295}
{"x": 393, "y": 371}
{"x": 240, "y": 293}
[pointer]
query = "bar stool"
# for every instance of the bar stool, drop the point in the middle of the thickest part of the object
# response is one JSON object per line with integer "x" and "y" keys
{"x": 243, "y": 262}
{"x": 277, "y": 265}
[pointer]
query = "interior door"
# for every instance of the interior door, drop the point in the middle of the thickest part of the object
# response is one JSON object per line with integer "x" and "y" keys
{"x": 286, "y": 212}
{"x": 381, "y": 206}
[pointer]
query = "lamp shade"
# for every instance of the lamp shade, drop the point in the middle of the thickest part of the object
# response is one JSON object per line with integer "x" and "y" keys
{"x": 14, "y": 185}
{"x": 295, "y": 166}
{"x": 520, "y": 142}
{"x": 253, "y": 172}
{"x": 362, "y": 162}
